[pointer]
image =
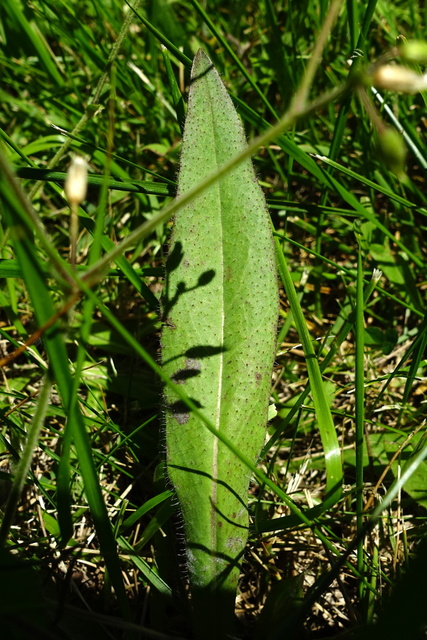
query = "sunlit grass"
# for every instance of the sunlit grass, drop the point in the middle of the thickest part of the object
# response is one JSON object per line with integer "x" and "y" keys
{"x": 95, "y": 513}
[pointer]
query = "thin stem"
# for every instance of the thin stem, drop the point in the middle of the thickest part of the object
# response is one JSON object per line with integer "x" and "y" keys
{"x": 300, "y": 99}
{"x": 74, "y": 230}
{"x": 33, "y": 221}
{"x": 411, "y": 144}
{"x": 235, "y": 58}
{"x": 360, "y": 410}
{"x": 287, "y": 121}
{"x": 93, "y": 102}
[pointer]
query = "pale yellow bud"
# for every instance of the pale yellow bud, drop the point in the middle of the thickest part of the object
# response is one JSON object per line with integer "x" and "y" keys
{"x": 397, "y": 78}
{"x": 76, "y": 182}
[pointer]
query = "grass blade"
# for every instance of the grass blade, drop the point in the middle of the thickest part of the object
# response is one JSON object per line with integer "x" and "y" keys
{"x": 326, "y": 426}
{"x": 54, "y": 342}
{"x": 45, "y": 56}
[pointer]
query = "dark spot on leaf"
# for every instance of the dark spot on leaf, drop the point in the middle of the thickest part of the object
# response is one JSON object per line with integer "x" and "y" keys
{"x": 181, "y": 412}
{"x": 181, "y": 418}
{"x": 193, "y": 364}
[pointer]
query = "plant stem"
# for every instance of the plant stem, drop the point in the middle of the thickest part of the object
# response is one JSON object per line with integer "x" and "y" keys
{"x": 300, "y": 99}
{"x": 93, "y": 102}
{"x": 360, "y": 410}
{"x": 95, "y": 273}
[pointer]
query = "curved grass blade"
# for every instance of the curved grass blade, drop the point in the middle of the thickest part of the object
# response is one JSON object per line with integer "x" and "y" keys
{"x": 328, "y": 434}
{"x": 130, "y": 186}
{"x": 221, "y": 307}
{"x": 15, "y": 215}
{"x": 45, "y": 56}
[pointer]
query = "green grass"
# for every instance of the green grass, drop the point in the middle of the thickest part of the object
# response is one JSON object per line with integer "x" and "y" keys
{"x": 93, "y": 547}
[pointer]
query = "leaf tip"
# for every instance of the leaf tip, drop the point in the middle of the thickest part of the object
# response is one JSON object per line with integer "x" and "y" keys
{"x": 201, "y": 64}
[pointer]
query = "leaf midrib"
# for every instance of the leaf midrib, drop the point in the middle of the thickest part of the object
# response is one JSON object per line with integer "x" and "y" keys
{"x": 215, "y": 453}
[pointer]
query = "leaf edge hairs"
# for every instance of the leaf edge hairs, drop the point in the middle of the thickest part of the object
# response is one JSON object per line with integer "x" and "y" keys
{"x": 221, "y": 309}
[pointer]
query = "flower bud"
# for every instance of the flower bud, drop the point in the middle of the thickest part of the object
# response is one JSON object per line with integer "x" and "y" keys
{"x": 76, "y": 182}
{"x": 398, "y": 78}
{"x": 392, "y": 151}
{"x": 414, "y": 51}
{"x": 376, "y": 276}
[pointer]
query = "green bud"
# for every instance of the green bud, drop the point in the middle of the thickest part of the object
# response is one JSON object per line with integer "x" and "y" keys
{"x": 392, "y": 151}
{"x": 414, "y": 51}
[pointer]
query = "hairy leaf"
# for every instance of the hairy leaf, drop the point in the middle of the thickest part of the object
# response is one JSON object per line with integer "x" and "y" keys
{"x": 220, "y": 307}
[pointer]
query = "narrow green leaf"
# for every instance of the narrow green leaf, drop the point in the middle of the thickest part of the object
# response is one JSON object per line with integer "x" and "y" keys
{"x": 29, "y": 30}
{"x": 177, "y": 98}
{"x": 15, "y": 214}
{"x": 359, "y": 408}
{"x": 364, "y": 180}
{"x": 326, "y": 426}
{"x": 147, "y": 571}
{"x": 132, "y": 186}
{"x": 143, "y": 509}
{"x": 221, "y": 306}
{"x": 10, "y": 268}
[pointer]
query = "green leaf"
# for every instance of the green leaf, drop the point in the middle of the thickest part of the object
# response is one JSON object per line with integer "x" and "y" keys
{"x": 27, "y": 31}
{"x": 146, "y": 570}
{"x": 221, "y": 307}
{"x": 416, "y": 485}
{"x": 397, "y": 449}
{"x": 321, "y": 402}
{"x": 15, "y": 211}
{"x": 132, "y": 186}
{"x": 387, "y": 339}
